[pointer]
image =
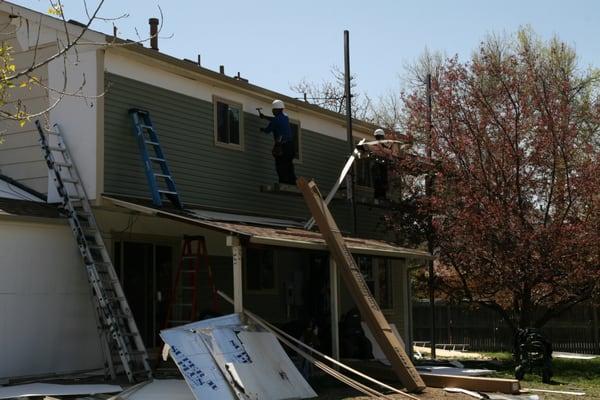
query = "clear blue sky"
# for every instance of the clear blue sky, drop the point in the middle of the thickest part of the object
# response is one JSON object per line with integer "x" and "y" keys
{"x": 277, "y": 43}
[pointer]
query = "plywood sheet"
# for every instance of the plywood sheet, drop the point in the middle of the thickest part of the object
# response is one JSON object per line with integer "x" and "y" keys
{"x": 160, "y": 389}
{"x": 270, "y": 374}
{"x": 197, "y": 365}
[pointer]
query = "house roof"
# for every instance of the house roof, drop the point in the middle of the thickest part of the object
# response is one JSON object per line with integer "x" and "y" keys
{"x": 190, "y": 67}
{"x": 27, "y": 208}
{"x": 11, "y": 189}
{"x": 261, "y": 232}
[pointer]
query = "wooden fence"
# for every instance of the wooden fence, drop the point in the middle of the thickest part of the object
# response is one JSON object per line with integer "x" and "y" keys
{"x": 576, "y": 331}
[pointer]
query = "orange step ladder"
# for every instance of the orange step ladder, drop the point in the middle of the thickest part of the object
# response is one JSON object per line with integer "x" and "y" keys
{"x": 183, "y": 301}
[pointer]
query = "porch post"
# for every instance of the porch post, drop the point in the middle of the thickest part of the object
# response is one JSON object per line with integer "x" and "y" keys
{"x": 333, "y": 299}
{"x": 236, "y": 252}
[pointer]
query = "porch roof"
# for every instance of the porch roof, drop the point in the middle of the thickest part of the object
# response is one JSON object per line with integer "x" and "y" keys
{"x": 266, "y": 231}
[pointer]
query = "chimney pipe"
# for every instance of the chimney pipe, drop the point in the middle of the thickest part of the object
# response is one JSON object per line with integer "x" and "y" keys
{"x": 222, "y": 69}
{"x": 199, "y": 60}
{"x": 153, "y": 33}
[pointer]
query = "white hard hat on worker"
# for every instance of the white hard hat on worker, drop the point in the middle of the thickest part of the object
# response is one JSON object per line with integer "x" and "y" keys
{"x": 379, "y": 134}
{"x": 277, "y": 105}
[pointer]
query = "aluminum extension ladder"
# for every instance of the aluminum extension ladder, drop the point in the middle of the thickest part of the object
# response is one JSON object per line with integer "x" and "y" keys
{"x": 158, "y": 175}
{"x": 119, "y": 333}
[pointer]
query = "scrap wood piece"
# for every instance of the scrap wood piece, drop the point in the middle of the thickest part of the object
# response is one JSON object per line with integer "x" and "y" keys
{"x": 369, "y": 309}
{"x": 553, "y": 391}
{"x": 479, "y": 384}
{"x": 491, "y": 396}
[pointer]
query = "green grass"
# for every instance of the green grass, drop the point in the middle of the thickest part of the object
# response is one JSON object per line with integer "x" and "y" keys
{"x": 581, "y": 375}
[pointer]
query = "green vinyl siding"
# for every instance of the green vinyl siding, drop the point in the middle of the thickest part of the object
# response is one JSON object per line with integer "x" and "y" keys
{"x": 209, "y": 175}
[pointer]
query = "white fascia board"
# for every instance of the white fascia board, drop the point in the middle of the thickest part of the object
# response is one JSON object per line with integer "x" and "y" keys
{"x": 400, "y": 253}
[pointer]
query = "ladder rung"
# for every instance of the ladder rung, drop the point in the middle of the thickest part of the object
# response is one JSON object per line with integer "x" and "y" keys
{"x": 150, "y": 142}
{"x": 113, "y": 299}
{"x": 137, "y": 353}
{"x": 163, "y": 176}
{"x": 156, "y": 159}
{"x": 55, "y": 148}
{"x": 144, "y": 126}
{"x": 102, "y": 264}
{"x": 70, "y": 180}
{"x": 167, "y": 192}
{"x": 63, "y": 164}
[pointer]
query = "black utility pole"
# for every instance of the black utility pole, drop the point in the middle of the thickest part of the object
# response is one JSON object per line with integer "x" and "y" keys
{"x": 348, "y": 97}
{"x": 428, "y": 193}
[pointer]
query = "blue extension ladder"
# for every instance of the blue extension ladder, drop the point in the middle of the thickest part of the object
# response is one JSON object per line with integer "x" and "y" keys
{"x": 154, "y": 159}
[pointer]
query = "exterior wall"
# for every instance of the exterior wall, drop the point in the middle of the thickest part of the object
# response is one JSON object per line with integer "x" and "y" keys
{"x": 210, "y": 175}
{"x": 72, "y": 102}
{"x": 48, "y": 324}
{"x": 20, "y": 154}
{"x": 78, "y": 115}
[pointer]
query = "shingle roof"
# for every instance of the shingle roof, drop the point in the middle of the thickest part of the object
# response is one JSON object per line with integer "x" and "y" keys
{"x": 290, "y": 236}
{"x": 28, "y": 208}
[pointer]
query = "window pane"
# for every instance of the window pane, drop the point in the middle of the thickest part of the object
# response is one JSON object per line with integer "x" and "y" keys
{"x": 384, "y": 277}
{"x": 260, "y": 269}
{"x": 267, "y": 273}
{"x": 234, "y": 125}
{"x": 222, "y": 121}
{"x": 363, "y": 172}
{"x": 296, "y": 135}
{"x": 253, "y": 269}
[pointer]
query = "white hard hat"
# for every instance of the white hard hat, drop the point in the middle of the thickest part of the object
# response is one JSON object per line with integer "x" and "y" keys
{"x": 379, "y": 132}
{"x": 277, "y": 104}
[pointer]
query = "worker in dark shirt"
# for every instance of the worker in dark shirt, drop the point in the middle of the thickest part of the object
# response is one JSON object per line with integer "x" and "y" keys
{"x": 283, "y": 146}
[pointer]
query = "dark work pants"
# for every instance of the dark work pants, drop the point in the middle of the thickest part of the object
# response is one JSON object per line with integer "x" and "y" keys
{"x": 284, "y": 164}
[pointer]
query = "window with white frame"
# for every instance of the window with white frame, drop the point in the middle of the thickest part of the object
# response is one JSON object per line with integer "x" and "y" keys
{"x": 377, "y": 272}
{"x": 228, "y": 117}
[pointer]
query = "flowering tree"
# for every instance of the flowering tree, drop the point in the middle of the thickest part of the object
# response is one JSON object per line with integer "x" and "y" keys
{"x": 515, "y": 161}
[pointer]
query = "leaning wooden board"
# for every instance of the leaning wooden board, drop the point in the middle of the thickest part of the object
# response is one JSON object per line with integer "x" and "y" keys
{"x": 369, "y": 309}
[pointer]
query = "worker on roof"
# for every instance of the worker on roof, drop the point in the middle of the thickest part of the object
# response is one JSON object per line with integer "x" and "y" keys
{"x": 283, "y": 142}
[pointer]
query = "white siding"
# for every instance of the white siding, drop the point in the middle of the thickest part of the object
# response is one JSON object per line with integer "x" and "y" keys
{"x": 47, "y": 323}
{"x": 20, "y": 154}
